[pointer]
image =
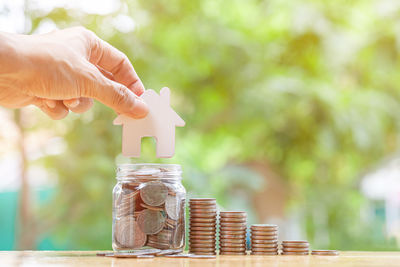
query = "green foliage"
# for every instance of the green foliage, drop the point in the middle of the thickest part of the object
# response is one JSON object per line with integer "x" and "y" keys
{"x": 308, "y": 87}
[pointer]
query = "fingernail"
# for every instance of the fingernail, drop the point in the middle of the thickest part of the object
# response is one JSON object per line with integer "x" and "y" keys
{"x": 74, "y": 103}
{"x": 50, "y": 103}
{"x": 140, "y": 109}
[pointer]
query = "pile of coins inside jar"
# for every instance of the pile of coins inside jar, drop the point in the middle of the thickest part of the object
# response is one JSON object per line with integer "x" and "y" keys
{"x": 149, "y": 211}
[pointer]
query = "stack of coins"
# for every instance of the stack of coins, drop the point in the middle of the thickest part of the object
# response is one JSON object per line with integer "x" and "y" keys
{"x": 264, "y": 239}
{"x": 203, "y": 220}
{"x": 295, "y": 247}
{"x": 232, "y": 233}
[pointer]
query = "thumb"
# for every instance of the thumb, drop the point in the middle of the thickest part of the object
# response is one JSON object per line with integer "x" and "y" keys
{"x": 114, "y": 95}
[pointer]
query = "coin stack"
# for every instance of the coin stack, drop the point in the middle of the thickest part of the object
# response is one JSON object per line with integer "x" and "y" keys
{"x": 264, "y": 239}
{"x": 203, "y": 220}
{"x": 232, "y": 232}
{"x": 295, "y": 247}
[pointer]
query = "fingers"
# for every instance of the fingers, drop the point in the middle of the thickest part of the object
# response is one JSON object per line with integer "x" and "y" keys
{"x": 57, "y": 111}
{"x": 117, "y": 63}
{"x": 79, "y": 105}
{"x": 113, "y": 94}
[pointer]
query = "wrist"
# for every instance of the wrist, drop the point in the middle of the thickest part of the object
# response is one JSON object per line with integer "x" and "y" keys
{"x": 8, "y": 51}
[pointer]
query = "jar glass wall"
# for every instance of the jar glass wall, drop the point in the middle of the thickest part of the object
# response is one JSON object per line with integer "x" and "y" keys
{"x": 148, "y": 207}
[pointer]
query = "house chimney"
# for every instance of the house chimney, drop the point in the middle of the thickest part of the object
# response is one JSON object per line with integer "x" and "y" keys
{"x": 165, "y": 95}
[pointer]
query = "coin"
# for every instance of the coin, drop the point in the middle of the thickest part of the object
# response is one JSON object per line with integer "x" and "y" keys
{"x": 264, "y": 237}
{"x": 264, "y": 226}
{"x": 121, "y": 255}
{"x": 151, "y": 207}
{"x": 232, "y": 249}
{"x": 180, "y": 255}
{"x": 194, "y": 224}
{"x": 294, "y": 242}
{"x": 202, "y": 229}
{"x": 295, "y": 250}
{"x": 295, "y": 246}
{"x": 199, "y": 235}
{"x": 169, "y": 252}
{"x": 203, "y": 215}
{"x": 228, "y": 236}
{"x": 325, "y": 252}
{"x": 128, "y": 233}
{"x": 201, "y": 220}
{"x": 201, "y": 249}
{"x": 158, "y": 245}
{"x": 224, "y": 228}
{"x": 232, "y": 253}
{"x": 294, "y": 253}
{"x": 134, "y": 254}
{"x": 264, "y": 253}
{"x": 233, "y": 224}
{"x": 154, "y": 193}
{"x": 172, "y": 207}
{"x": 103, "y": 254}
{"x": 150, "y": 221}
{"x": 232, "y": 220}
{"x": 211, "y": 242}
{"x": 274, "y": 242}
{"x": 202, "y": 256}
{"x": 203, "y": 209}
{"x": 198, "y": 211}
{"x": 233, "y": 214}
{"x": 233, "y": 245}
{"x": 264, "y": 245}
{"x": 178, "y": 236}
{"x": 145, "y": 256}
{"x": 203, "y": 200}
{"x": 258, "y": 233}
{"x": 254, "y": 249}
{"x": 205, "y": 253}
{"x": 233, "y": 240}
{"x": 233, "y": 232}
{"x": 202, "y": 245}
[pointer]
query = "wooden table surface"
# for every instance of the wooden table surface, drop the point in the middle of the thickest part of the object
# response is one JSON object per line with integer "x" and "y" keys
{"x": 89, "y": 258}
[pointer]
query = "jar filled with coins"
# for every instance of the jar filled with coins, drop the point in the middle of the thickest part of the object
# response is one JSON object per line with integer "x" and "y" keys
{"x": 148, "y": 207}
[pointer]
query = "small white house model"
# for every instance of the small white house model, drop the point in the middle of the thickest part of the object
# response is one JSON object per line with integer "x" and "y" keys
{"x": 159, "y": 123}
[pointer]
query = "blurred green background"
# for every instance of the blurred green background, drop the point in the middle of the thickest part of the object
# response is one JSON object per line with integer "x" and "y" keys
{"x": 292, "y": 113}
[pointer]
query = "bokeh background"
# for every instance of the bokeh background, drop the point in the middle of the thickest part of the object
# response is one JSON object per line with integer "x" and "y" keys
{"x": 292, "y": 112}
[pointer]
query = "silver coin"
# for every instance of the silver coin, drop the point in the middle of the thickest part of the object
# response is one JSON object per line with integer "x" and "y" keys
{"x": 151, "y": 221}
{"x": 202, "y": 256}
{"x": 172, "y": 207}
{"x": 178, "y": 236}
{"x": 179, "y": 255}
{"x": 128, "y": 233}
{"x": 169, "y": 252}
{"x": 154, "y": 193}
{"x": 325, "y": 252}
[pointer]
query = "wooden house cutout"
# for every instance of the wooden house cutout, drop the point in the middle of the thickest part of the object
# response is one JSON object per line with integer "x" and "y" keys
{"x": 159, "y": 123}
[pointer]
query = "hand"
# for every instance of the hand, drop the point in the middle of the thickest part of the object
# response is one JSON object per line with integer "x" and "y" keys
{"x": 64, "y": 70}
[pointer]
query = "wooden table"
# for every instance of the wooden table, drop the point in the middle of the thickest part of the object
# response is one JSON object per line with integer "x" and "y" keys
{"x": 89, "y": 258}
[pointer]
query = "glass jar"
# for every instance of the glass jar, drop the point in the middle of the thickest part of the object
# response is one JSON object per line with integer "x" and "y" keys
{"x": 148, "y": 207}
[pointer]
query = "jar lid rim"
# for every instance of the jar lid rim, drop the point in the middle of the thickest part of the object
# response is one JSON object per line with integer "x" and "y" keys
{"x": 128, "y": 171}
{"x": 149, "y": 164}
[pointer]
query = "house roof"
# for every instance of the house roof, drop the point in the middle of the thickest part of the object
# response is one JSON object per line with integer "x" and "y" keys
{"x": 158, "y": 104}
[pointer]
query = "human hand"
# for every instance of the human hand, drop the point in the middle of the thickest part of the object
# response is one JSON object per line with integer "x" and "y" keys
{"x": 64, "y": 70}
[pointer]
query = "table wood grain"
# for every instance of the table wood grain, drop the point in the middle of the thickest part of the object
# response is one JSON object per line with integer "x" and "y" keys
{"x": 89, "y": 258}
